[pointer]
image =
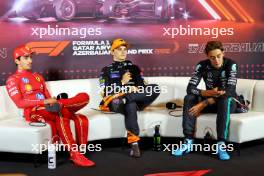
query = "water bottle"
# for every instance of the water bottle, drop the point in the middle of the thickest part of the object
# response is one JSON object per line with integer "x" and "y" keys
{"x": 51, "y": 156}
{"x": 157, "y": 139}
{"x": 208, "y": 140}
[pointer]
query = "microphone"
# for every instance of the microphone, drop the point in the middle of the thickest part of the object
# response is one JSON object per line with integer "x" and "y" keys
{"x": 171, "y": 105}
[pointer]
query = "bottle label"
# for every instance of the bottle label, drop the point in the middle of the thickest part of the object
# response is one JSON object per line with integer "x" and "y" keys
{"x": 51, "y": 156}
{"x": 158, "y": 140}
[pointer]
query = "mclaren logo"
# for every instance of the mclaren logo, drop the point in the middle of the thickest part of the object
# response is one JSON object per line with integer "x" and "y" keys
{"x": 52, "y": 48}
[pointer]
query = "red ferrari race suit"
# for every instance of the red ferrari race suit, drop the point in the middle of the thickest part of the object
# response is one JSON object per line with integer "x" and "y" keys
{"x": 28, "y": 91}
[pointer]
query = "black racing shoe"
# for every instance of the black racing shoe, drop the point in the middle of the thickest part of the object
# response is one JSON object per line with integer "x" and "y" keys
{"x": 135, "y": 151}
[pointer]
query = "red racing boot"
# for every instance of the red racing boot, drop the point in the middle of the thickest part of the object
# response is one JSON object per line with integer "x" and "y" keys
{"x": 80, "y": 160}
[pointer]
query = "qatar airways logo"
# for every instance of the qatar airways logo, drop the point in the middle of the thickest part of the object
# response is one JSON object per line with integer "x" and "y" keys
{"x": 3, "y": 53}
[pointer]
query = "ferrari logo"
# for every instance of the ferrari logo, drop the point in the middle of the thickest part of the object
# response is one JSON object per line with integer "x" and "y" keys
{"x": 38, "y": 79}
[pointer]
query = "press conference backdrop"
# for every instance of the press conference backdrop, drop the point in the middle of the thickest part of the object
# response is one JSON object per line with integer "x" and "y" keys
{"x": 72, "y": 38}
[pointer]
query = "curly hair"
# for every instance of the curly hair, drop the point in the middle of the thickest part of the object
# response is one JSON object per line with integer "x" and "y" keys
{"x": 212, "y": 45}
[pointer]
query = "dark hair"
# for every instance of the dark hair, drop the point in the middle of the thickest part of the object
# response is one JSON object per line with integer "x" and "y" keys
{"x": 212, "y": 45}
{"x": 18, "y": 58}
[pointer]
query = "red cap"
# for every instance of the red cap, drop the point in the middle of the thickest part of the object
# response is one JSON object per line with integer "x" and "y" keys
{"x": 22, "y": 51}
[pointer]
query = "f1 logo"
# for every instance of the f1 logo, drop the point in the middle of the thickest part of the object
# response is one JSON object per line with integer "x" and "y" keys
{"x": 52, "y": 48}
